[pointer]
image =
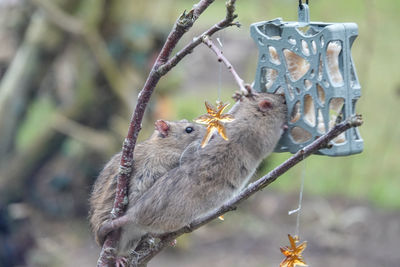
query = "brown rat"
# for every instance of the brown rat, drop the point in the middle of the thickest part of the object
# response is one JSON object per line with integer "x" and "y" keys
{"x": 211, "y": 176}
{"x": 162, "y": 152}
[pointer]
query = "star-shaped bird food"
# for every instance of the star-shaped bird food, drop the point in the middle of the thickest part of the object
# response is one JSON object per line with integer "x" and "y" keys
{"x": 293, "y": 253}
{"x": 214, "y": 120}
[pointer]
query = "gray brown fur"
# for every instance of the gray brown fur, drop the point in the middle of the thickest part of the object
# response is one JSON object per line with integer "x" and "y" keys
{"x": 213, "y": 175}
{"x": 152, "y": 159}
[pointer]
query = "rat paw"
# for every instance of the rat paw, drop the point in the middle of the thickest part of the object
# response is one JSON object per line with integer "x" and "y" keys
{"x": 121, "y": 262}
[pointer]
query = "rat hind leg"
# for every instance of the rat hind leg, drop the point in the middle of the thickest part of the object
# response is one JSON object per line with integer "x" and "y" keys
{"x": 110, "y": 226}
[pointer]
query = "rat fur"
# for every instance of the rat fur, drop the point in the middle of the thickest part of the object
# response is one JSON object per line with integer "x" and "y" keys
{"x": 211, "y": 176}
{"x": 162, "y": 152}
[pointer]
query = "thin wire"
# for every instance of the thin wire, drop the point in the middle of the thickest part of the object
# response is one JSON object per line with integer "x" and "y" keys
{"x": 220, "y": 37}
{"x": 303, "y": 175}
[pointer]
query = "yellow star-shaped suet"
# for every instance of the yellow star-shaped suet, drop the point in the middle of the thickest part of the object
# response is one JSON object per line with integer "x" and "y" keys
{"x": 293, "y": 253}
{"x": 214, "y": 120}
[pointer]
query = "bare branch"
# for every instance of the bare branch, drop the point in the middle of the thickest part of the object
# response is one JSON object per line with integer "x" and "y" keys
{"x": 322, "y": 142}
{"x": 222, "y": 58}
{"x": 227, "y": 22}
{"x": 160, "y": 68}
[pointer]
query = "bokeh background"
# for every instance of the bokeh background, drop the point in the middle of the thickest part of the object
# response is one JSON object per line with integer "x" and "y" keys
{"x": 70, "y": 72}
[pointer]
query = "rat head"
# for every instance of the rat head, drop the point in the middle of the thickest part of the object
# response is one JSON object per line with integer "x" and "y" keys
{"x": 272, "y": 107}
{"x": 178, "y": 133}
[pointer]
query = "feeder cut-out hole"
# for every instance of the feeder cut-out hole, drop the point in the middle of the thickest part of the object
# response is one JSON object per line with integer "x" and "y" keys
{"x": 295, "y": 115}
{"x": 321, "y": 94}
{"x": 296, "y": 65}
{"x": 297, "y": 90}
{"x": 260, "y": 41}
{"x": 269, "y": 77}
{"x": 322, "y": 40}
{"x": 292, "y": 41}
{"x": 272, "y": 31}
{"x": 273, "y": 55}
{"x": 309, "y": 110}
{"x": 300, "y": 135}
{"x": 333, "y": 62}
{"x": 312, "y": 73}
{"x": 303, "y": 30}
{"x": 279, "y": 90}
{"x": 320, "y": 69}
{"x": 353, "y": 76}
{"x": 321, "y": 125}
{"x": 313, "y": 47}
{"x": 335, "y": 110}
{"x": 335, "y": 116}
{"x": 304, "y": 48}
{"x": 263, "y": 58}
{"x": 307, "y": 84}
{"x": 289, "y": 88}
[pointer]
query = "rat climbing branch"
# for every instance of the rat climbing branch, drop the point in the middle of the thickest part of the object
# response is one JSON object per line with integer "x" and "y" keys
{"x": 206, "y": 40}
{"x": 161, "y": 67}
{"x": 146, "y": 253}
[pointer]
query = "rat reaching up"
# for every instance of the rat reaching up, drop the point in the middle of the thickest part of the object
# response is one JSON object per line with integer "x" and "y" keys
{"x": 162, "y": 152}
{"x": 210, "y": 177}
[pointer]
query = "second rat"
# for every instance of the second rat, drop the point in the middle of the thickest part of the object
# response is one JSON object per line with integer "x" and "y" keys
{"x": 211, "y": 176}
{"x": 162, "y": 152}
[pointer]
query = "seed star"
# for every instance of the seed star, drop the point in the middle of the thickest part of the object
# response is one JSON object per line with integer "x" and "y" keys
{"x": 214, "y": 120}
{"x": 293, "y": 253}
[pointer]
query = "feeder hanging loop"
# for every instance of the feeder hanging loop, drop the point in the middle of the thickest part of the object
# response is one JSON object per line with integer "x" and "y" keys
{"x": 301, "y": 3}
{"x": 303, "y": 12}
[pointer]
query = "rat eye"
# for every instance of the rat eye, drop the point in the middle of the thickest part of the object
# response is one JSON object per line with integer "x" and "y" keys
{"x": 189, "y": 129}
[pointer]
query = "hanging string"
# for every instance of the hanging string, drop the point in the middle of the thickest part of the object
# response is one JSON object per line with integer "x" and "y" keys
{"x": 220, "y": 66}
{"x": 303, "y": 175}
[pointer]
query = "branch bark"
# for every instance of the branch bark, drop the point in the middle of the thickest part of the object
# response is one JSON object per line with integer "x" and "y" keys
{"x": 221, "y": 58}
{"x": 161, "y": 66}
{"x": 146, "y": 253}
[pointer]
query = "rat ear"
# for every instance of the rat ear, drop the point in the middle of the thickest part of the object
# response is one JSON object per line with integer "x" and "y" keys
{"x": 162, "y": 127}
{"x": 264, "y": 105}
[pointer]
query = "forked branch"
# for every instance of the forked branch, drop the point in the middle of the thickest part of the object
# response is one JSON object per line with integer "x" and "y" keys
{"x": 162, "y": 65}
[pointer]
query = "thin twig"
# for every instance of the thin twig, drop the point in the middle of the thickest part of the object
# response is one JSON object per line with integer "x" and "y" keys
{"x": 160, "y": 68}
{"x": 227, "y": 22}
{"x": 206, "y": 40}
{"x": 147, "y": 253}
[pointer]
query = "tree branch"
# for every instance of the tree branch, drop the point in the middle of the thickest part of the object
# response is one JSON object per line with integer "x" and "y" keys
{"x": 146, "y": 253}
{"x": 206, "y": 40}
{"x": 160, "y": 68}
{"x": 227, "y": 22}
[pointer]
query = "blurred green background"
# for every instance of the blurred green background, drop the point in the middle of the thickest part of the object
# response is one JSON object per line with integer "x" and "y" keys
{"x": 67, "y": 92}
